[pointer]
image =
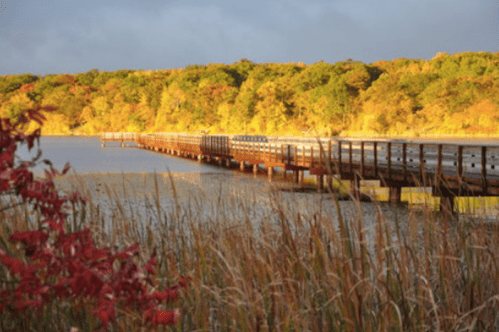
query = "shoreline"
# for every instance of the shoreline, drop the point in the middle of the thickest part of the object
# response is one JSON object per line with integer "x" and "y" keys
{"x": 423, "y": 137}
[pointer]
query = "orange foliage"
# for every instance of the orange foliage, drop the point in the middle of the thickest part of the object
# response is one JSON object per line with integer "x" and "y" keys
{"x": 27, "y": 87}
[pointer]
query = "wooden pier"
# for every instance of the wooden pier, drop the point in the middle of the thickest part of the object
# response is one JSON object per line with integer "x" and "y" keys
{"x": 117, "y": 137}
{"x": 450, "y": 170}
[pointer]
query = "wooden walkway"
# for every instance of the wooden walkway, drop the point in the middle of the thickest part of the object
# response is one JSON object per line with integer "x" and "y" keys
{"x": 449, "y": 169}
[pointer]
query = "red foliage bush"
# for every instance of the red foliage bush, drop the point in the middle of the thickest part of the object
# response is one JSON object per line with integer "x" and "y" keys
{"x": 57, "y": 264}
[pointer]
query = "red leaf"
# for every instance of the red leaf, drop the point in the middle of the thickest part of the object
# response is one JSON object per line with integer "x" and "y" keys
{"x": 162, "y": 317}
{"x": 24, "y": 304}
{"x": 106, "y": 312}
{"x": 29, "y": 237}
{"x": 47, "y": 108}
{"x": 66, "y": 168}
{"x": 36, "y": 115}
{"x": 168, "y": 295}
{"x": 13, "y": 264}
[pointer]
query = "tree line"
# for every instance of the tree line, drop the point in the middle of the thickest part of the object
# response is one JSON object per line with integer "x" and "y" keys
{"x": 448, "y": 94}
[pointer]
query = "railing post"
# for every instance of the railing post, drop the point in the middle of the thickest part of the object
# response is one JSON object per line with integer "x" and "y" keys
{"x": 362, "y": 158}
{"x": 339, "y": 159}
{"x": 421, "y": 164}
{"x": 330, "y": 155}
{"x": 460, "y": 164}
{"x": 438, "y": 175}
{"x": 320, "y": 154}
{"x": 404, "y": 160}
{"x": 375, "y": 151}
{"x": 303, "y": 155}
{"x": 389, "y": 159}
{"x": 484, "y": 170}
{"x": 350, "y": 158}
{"x": 296, "y": 155}
{"x": 311, "y": 156}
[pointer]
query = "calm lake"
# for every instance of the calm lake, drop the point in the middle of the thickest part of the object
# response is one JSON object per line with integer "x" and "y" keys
{"x": 86, "y": 155}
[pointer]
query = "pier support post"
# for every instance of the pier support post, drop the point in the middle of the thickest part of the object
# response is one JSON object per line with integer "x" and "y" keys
{"x": 241, "y": 166}
{"x": 295, "y": 176}
{"x": 320, "y": 183}
{"x": 355, "y": 187}
{"x": 447, "y": 205}
{"x": 200, "y": 158}
{"x": 395, "y": 194}
{"x": 270, "y": 171}
{"x": 300, "y": 177}
{"x": 227, "y": 163}
{"x": 446, "y": 201}
{"x": 122, "y": 144}
{"x": 255, "y": 169}
{"x": 329, "y": 182}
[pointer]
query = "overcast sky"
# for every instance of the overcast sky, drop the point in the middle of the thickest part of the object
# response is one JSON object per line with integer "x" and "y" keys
{"x": 71, "y": 36}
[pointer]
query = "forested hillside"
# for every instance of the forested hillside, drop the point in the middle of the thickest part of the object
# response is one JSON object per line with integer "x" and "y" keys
{"x": 449, "y": 94}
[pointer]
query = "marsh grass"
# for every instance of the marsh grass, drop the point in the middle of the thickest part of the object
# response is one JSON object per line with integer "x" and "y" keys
{"x": 285, "y": 269}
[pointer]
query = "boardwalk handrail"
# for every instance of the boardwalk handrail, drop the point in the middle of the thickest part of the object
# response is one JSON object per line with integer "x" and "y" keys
{"x": 118, "y": 136}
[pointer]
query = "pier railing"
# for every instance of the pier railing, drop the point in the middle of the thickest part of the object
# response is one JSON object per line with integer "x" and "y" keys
{"x": 130, "y": 137}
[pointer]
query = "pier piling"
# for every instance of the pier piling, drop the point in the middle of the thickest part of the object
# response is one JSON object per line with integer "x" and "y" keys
{"x": 355, "y": 187}
{"x": 320, "y": 183}
{"x": 270, "y": 171}
{"x": 395, "y": 194}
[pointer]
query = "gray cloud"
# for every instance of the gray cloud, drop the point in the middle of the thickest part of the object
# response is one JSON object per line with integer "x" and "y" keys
{"x": 55, "y": 36}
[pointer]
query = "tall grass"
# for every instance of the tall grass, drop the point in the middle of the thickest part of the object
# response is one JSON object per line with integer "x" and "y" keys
{"x": 285, "y": 269}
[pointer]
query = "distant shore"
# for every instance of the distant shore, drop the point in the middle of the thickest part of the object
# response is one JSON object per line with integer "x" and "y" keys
{"x": 355, "y": 135}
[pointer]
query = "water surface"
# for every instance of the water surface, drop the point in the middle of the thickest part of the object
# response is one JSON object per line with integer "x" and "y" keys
{"x": 86, "y": 155}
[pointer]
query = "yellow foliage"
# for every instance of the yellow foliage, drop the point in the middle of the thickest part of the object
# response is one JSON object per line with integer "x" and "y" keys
{"x": 54, "y": 124}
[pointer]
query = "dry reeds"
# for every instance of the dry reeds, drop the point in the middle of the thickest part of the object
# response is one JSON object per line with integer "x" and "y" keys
{"x": 277, "y": 268}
